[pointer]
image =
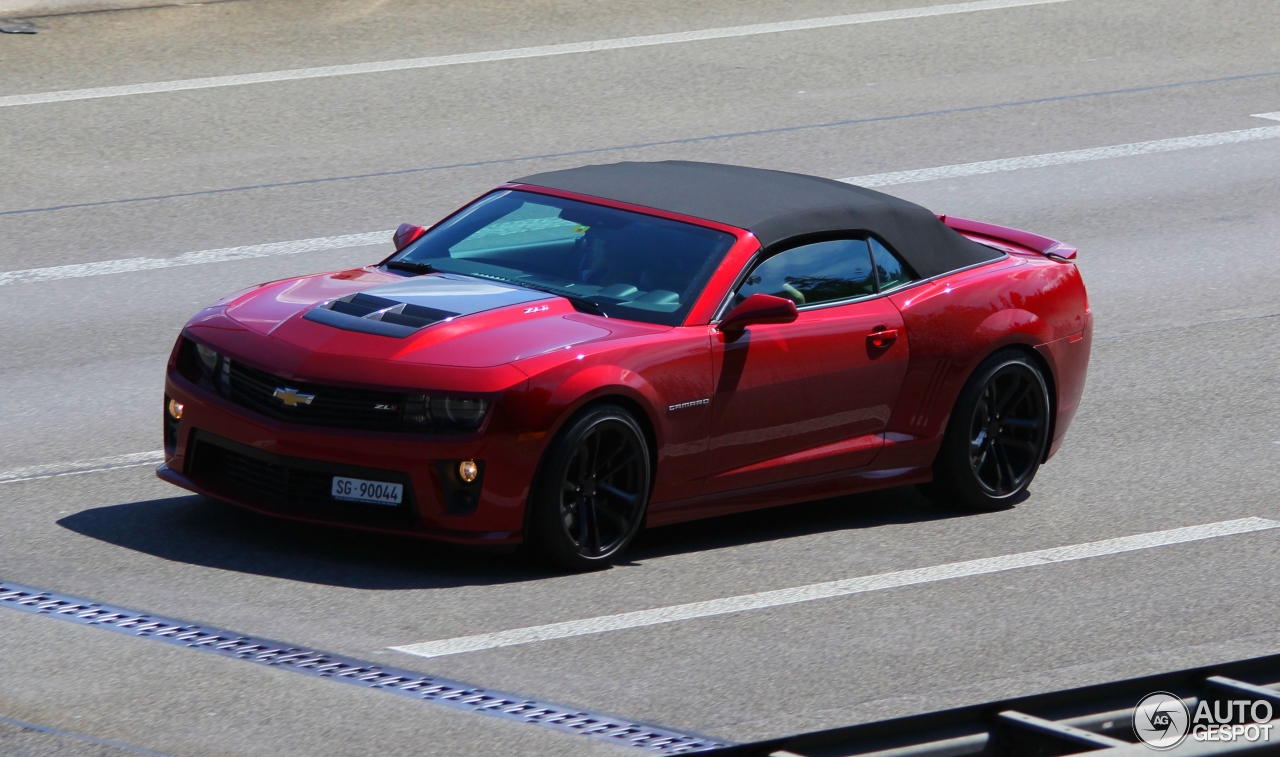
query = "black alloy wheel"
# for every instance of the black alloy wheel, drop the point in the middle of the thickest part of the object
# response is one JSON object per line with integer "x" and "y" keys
{"x": 593, "y": 490}
{"x": 996, "y": 437}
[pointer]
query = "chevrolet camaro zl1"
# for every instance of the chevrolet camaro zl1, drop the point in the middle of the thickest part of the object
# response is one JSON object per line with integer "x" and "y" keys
{"x": 581, "y": 353}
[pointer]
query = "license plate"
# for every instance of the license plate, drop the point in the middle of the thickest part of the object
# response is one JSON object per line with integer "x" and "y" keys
{"x": 372, "y": 492}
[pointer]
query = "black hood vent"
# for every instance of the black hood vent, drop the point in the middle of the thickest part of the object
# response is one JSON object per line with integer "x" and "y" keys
{"x": 377, "y": 315}
{"x": 402, "y": 308}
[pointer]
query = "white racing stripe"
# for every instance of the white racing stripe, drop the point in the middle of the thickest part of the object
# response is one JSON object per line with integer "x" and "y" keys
{"x": 127, "y": 265}
{"x": 541, "y": 51}
{"x": 1065, "y": 158}
{"x": 52, "y": 470}
{"x": 317, "y": 244}
{"x": 831, "y": 589}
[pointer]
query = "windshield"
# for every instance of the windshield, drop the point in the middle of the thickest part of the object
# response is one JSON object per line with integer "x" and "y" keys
{"x": 622, "y": 264}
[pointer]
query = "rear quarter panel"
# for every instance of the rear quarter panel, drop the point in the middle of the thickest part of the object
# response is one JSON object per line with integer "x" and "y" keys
{"x": 956, "y": 321}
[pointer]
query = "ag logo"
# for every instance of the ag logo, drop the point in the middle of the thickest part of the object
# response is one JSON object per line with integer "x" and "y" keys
{"x": 1160, "y": 720}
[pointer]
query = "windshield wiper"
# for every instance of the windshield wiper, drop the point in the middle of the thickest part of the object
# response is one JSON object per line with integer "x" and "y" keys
{"x": 405, "y": 265}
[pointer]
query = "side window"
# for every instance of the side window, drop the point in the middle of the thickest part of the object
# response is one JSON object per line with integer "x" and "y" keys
{"x": 839, "y": 269}
{"x": 889, "y": 269}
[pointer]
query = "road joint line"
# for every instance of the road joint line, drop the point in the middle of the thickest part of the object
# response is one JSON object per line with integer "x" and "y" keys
{"x": 960, "y": 170}
{"x": 632, "y": 147}
{"x": 80, "y": 737}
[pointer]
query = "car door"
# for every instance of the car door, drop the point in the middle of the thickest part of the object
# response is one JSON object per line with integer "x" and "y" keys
{"x": 813, "y": 396}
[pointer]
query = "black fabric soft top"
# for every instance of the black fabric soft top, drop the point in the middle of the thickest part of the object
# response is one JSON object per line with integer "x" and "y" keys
{"x": 776, "y": 206}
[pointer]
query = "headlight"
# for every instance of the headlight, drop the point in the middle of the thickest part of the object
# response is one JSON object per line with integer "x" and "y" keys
{"x": 208, "y": 359}
{"x": 444, "y": 413}
{"x": 204, "y": 367}
{"x": 459, "y": 412}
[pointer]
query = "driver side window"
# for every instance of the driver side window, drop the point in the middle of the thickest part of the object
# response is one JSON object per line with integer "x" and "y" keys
{"x": 838, "y": 269}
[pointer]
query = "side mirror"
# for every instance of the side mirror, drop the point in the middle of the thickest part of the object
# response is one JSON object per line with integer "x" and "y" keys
{"x": 406, "y": 235}
{"x": 759, "y": 308}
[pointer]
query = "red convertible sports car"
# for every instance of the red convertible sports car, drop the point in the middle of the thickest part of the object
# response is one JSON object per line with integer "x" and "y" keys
{"x": 581, "y": 353}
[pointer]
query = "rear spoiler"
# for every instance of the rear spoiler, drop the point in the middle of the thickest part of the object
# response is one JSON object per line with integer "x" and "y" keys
{"x": 1043, "y": 245}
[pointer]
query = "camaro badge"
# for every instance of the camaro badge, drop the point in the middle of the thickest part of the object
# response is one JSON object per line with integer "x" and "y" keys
{"x": 683, "y": 405}
{"x": 292, "y": 397}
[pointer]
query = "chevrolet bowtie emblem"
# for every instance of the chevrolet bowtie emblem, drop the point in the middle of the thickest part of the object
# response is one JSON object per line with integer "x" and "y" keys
{"x": 292, "y": 397}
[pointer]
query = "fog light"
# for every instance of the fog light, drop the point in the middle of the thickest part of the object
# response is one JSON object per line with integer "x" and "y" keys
{"x": 468, "y": 470}
{"x": 175, "y": 409}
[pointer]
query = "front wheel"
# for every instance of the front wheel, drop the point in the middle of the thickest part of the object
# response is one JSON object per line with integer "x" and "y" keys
{"x": 593, "y": 489}
{"x": 996, "y": 437}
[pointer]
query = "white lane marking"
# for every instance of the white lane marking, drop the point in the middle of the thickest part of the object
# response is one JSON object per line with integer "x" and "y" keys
{"x": 541, "y": 51}
{"x": 1273, "y": 116}
{"x": 52, "y": 470}
{"x": 1064, "y": 158}
{"x": 831, "y": 589}
{"x": 127, "y": 265}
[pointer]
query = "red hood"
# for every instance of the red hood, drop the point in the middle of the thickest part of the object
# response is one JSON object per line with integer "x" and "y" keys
{"x": 487, "y": 330}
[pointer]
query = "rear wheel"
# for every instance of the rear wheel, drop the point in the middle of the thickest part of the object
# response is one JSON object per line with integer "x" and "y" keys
{"x": 593, "y": 489}
{"x": 996, "y": 437}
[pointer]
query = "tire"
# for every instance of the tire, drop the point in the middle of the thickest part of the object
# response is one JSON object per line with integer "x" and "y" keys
{"x": 996, "y": 437}
{"x": 592, "y": 490}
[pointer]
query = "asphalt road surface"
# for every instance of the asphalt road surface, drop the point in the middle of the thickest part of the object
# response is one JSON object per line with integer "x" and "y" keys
{"x": 1180, "y": 424}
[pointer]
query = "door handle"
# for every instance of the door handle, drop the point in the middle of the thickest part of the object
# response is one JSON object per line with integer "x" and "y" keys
{"x": 882, "y": 337}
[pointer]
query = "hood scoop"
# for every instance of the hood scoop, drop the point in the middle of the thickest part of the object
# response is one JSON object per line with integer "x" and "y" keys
{"x": 405, "y": 307}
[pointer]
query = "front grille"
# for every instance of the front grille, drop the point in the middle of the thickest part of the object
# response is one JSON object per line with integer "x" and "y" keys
{"x": 292, "y": 486}
{"x": 336, "y": 406}
{"x": 325, "y": 405}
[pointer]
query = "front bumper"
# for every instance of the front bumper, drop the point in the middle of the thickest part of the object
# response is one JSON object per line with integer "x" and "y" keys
{"x": 231, "y": 454}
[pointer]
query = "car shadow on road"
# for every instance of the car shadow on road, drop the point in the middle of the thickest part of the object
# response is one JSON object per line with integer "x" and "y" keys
{"x": 198, "y": 531}
{"x": 879, "y": 508}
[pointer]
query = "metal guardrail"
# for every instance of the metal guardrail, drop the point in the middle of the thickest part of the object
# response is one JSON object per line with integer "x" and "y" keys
{"x": 1097, "y": 720}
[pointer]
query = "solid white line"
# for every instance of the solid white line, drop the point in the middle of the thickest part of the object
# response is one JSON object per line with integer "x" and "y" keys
{"x": 52, "y": 470}
{"x": 541, "y": 51}
{"x": 127, "y": 265}
{"x": 1273, "y": 116}
{"x": 830, "y": 589}
{"x": 77, "y": 270}
{"x": 1064, "y": 158}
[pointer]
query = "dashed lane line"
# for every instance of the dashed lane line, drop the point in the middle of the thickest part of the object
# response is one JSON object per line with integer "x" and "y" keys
{"x": 126, "y": 265}
{"x": 541, "y": 51}
{"x": 831, "y": 589}
{"x": 1067, "y": 157}
{"x": 201, "y": 257}
{"x": 53, "y": 470}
